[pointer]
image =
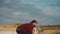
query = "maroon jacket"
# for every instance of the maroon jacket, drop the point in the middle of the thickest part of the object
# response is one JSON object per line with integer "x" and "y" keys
{"x": 28, "y": 27}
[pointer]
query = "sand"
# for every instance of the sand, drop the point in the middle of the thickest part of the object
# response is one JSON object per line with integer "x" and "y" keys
{"x": 8, "y": 32}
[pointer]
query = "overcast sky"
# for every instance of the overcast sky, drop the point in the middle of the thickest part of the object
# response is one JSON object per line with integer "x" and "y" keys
{"x": 23, "y": 11}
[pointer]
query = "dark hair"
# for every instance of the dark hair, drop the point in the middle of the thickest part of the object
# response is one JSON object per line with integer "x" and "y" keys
{"x": 33, "y": 21}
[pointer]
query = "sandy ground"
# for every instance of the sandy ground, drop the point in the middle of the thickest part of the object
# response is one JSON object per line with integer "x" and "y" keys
{"x": 8, "y": 32}
{"x": 44, "y": 32}
{"x": 51, "y": 32}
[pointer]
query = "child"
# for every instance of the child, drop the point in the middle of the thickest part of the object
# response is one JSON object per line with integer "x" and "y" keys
{"x": 35, "y": 31}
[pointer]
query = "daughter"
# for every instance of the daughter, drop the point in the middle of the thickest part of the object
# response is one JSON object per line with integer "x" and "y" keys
{"x": 35, "y": 31}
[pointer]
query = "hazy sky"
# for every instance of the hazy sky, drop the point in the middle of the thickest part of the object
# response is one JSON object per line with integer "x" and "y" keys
{"x": 23, "y": 11}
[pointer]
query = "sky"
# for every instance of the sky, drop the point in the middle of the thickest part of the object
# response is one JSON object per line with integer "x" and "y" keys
{"x": 45, "y": 12}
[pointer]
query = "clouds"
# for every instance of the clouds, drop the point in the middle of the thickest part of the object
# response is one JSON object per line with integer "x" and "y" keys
{"x": 50, "y": 11}
{"x": 22, "y": 11}
{"x": 19, "y": 13}
{"x": 57, "y": 4}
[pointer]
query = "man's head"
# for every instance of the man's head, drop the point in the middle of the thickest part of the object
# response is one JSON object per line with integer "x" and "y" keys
{"x": 34, "y": 22}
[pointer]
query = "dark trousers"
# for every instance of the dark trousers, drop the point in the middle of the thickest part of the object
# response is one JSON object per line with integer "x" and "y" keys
{"x": 21, "y": 31}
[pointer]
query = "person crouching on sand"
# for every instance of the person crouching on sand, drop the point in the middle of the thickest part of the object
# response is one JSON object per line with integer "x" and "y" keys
{"x": 26, "y": 28}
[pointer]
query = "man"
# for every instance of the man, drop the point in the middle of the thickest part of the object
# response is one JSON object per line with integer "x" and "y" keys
{"x": 26, "y": 28}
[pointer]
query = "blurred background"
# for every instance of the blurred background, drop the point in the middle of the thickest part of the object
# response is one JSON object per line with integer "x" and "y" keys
{"x": 15, "y": 12}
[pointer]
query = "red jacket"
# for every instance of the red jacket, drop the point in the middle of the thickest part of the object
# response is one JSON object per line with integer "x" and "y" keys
{"x": 28, "y": 27}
